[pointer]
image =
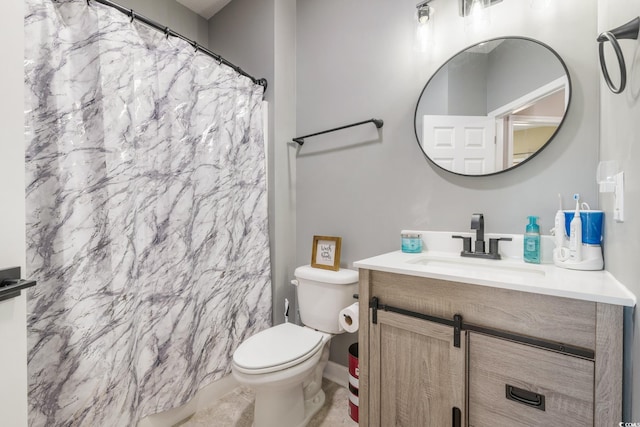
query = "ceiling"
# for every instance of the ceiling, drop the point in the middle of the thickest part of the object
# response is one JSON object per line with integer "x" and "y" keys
{"x": 204, "y": 8}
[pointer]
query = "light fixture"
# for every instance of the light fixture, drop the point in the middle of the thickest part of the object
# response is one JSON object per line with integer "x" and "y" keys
{"x": 470, "y": 7}
{"x": 424, "y": 29}
{"x": 424, "y": 11}
{"x": 476, "y": 14}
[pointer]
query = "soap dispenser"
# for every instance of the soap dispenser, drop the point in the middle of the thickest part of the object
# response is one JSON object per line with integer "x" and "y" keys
{"x": 532, "y": 241}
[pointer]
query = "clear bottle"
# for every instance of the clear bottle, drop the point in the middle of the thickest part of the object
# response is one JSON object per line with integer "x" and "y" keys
{"x": 532, "y": 241}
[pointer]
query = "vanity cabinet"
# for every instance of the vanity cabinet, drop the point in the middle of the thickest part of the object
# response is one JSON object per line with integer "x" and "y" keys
{"x": 442, "y": 353}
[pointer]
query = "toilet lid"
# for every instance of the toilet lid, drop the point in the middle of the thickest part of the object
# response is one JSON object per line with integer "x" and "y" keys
{"x": 278, "y": 347}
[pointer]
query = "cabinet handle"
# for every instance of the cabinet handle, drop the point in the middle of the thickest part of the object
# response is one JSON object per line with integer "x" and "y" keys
{"x": 525, "y": 397}
{"x": 456, "y": 417}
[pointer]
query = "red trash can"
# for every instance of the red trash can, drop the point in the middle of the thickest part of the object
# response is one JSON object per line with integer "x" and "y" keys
{"x": 354, "y": 375}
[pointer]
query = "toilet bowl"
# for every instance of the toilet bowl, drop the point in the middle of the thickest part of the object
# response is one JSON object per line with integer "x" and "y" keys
{"x": 284, "y": 364}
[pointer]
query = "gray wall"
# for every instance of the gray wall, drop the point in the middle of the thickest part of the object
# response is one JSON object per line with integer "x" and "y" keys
{"x": 247, "y": 39}
{"x": 13, "y": 312}
{"x": 436, "y": 94}
{"x": 516, "y": 68}
{"x": 435, "y": 98}
{"x": 479, "y": 83}
{"x": 468, "y": 77}
{"x": 355, "y": 60}
{"x": 620, "y": 141}
{"x": 259, "y": 35}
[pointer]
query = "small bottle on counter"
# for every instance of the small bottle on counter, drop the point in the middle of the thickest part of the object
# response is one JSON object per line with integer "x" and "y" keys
{"x": 532, "y": 241}
{"x": 411, "y": 243}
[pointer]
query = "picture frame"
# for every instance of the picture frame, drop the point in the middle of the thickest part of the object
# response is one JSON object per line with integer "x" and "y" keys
{"x": 325, "y": 252}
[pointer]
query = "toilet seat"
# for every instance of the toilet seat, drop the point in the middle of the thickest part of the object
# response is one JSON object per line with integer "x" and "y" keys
{"x": 277, "y": 348}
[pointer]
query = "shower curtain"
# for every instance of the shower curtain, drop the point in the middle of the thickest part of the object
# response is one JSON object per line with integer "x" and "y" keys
{"x": 146, "y": 216}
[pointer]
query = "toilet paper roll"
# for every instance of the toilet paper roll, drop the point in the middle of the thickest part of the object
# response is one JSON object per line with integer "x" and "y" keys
{"x": 348, "y": 318}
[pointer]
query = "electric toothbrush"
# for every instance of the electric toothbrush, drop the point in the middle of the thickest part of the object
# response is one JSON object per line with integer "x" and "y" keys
{"x": 575, "y": 233}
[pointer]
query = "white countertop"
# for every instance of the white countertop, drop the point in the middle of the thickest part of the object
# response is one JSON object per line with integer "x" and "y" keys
{"x": 509, "y": 273}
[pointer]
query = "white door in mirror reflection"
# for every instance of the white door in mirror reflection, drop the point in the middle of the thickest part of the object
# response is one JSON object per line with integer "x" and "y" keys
{"x": 461, "y": 144}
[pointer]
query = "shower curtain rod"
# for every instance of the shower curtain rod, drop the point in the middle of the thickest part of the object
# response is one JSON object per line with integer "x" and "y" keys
{"x": 169, "y": 32}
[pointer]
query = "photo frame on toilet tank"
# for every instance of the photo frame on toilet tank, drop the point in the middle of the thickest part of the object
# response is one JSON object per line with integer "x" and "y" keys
{"x": 325, "y": 252}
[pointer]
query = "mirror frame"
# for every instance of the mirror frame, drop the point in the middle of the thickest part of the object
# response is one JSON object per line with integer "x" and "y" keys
{"x": 551, "y": 138}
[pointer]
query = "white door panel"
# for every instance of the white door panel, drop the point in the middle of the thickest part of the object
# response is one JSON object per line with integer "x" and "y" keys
{"x": 462, "y": 144}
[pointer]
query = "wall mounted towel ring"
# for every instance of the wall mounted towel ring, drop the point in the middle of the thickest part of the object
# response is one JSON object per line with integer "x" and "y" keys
{"x": 627, "y": 31}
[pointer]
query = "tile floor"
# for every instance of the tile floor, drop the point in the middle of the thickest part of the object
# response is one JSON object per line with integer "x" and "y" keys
{"x": 235, "y": 409}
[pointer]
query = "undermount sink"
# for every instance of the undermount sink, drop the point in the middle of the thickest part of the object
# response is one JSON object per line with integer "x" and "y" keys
{"x": 469, "y": 266}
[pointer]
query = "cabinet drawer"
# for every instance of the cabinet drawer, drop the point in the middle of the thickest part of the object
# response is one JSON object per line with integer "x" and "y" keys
{"x": 515, "y": 384}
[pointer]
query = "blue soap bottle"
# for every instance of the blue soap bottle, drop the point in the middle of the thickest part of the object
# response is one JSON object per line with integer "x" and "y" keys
{"x": 532, "y": 241}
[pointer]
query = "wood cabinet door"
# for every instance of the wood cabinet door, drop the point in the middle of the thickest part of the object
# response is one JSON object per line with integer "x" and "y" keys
{"x": 512, "y": 384}
{"x": 417, "y": 375}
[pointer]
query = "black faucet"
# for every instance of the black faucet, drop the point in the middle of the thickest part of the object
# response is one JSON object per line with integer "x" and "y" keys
{"x": 477, "y": 223}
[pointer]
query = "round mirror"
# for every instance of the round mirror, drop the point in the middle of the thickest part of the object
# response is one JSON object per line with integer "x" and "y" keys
{"x": 493, "y": 106}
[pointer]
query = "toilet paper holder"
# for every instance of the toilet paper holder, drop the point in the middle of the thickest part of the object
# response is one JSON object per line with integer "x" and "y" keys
{"x": 349, "y": 318}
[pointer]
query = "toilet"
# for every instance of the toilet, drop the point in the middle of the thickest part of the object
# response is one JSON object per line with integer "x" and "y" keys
{"x": 284, "y": 364}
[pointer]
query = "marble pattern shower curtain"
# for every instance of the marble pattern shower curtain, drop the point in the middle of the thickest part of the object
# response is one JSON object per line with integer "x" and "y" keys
{"x": 146, "y": 216}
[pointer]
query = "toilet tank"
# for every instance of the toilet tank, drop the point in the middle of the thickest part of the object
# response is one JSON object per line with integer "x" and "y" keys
{"x": 322, "y": 294}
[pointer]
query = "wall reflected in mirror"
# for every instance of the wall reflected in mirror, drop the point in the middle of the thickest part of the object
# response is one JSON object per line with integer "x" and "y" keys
{"x": 493, "y": 106}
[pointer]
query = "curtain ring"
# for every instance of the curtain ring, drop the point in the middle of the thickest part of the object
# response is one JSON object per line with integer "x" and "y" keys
{"x": 603, "y": 65}
{"x": 133, "y": 15}
{"x": 166, "y": 32}
{"x": 195, "y": 46}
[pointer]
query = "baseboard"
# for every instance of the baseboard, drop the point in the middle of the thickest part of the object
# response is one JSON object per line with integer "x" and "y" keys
{"x": 202, "y": 399}
{"x": 337, "y": 373}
